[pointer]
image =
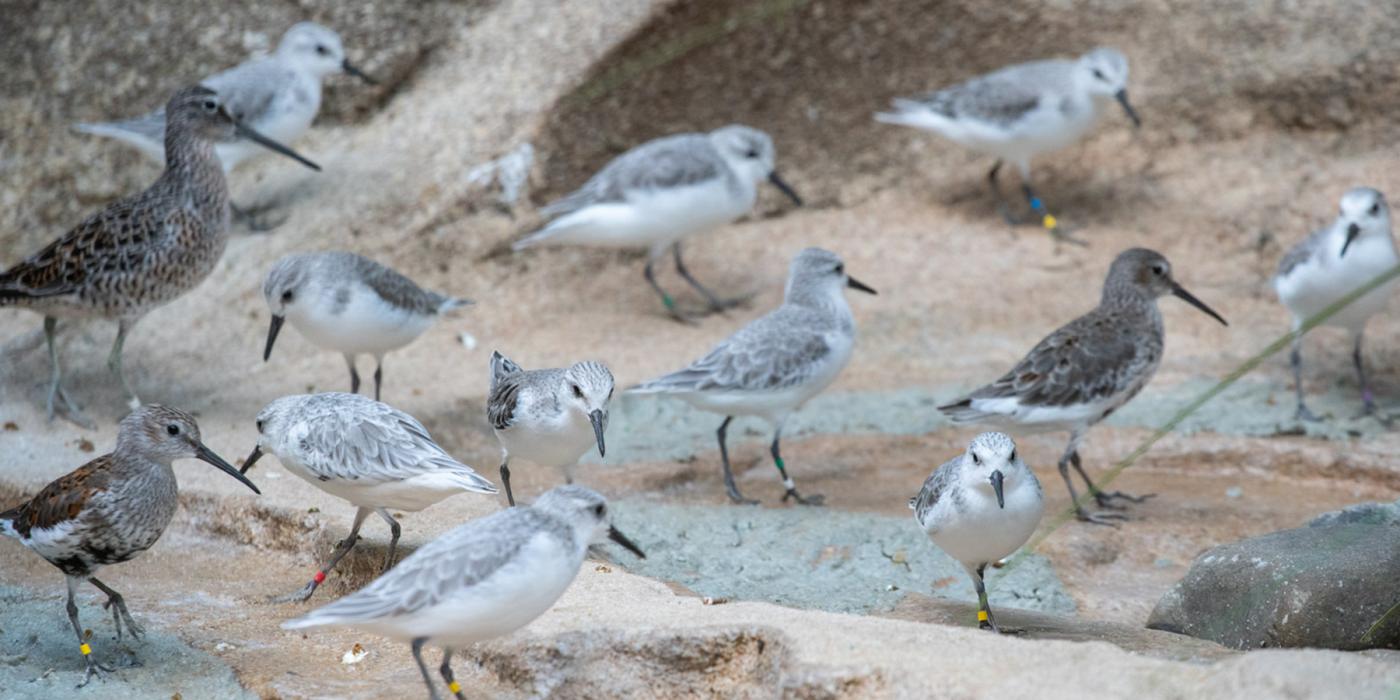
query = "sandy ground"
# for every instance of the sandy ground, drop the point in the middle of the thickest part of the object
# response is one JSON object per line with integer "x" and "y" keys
{"x": 962, "y": 297}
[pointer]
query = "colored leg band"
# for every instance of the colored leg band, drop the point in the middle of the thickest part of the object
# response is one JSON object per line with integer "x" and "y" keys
{"x": 455, "y": 687}
{"x": 319, "y": 578}
{"x": 778, "y": 461}
{"x": 789, "y": 484}
{"x": 981, "y": 615}
{"x": 1035, "y": 204}
{"x": 668, "y": 301}
{"x": 85, "y": 649}
{"x": 1048, "y": 221}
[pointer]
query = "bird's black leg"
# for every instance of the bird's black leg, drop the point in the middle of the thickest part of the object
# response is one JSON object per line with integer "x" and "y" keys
{"x": 1295, "y": 358}
{"x": 354, "y": 376}
{"x": 505, "y": 477}
{"x": 446, "y": 671}
{"x": 340, "y": 551}
{"x": 114, "y": 364}
{"x": 423, "y": 668}
{"x": 788, "y": 484}
{"x": 716, "y": 305}
{"x": 70, "y": 410}
{"x": 93, "y": 668}
{"x": 378, "y": 376}
{"x": 1072, "y": 453}
{"x": 1104, "y": 498}
{"x": 1003, "y": 207}
{"x": 729, "y": 486}
{"x": 394, "y": 531}
{"x": 1051, "y": 224}
{"x": 650, "y": 274}
{"x": 984, "y": 609}
{"x": 119, "y": 612}
{"x": 1368, "y": 399}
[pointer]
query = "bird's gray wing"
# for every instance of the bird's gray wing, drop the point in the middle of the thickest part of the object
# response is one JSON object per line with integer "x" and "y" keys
{"x": 373, "y": 443}
{"x": 249, "y": 89}
{"x": 1002, "y": 97}
{"x": 775, "y": 352}
{"x": 672, "y": 161}
{"x": 935, "y": 486}
{"x": 396, "y": 289}
{"x": 1302, "y": 252}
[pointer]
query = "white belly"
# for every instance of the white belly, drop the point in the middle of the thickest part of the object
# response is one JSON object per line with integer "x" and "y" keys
{"x": 367, "y": 324}
{"x": 552, "y": 443}
{"x": 654, "y": 217}
{"x": 984, "y": 532}
{"x": 1311, "y": 287}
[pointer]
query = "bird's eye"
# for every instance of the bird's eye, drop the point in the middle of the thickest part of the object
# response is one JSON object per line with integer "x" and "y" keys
{"x": 1159, "y": 270}
{"x": 610, "y": 393}
{"x": 287, "y": 297}
{"x": 260, "y": 426}
{"x": 840, "y": 269}
{"x": 600, "y": 510}
{"x": 578, "y": 392}
{"x": 1013, "y": 456}
{"x": 976, "y": 459}
{"x": 751, "y": 154}
{"x": 321, "y": 49}
{"x": 173, "y": 429}
{"x": 1099, "y": 74}
{"x": 1375, "y": 209}
{"x": 210, "y": 105}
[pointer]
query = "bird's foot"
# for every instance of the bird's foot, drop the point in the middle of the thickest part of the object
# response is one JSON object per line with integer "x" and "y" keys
{"x": 1062, "y": 233}
{"x": 297, "y": 597}
{"x": 813, "y": 500}
{"x": 1010, "y": 217}
{"x": 1305, "y": 414}
{"x": 719, "y": 306}
{"x": 1370, "y": 410}
{"x": 66, "y": 408}
{"x": 1111, "y": 519}
{"x": 738, "y": 499}
{"x": 681, "y": 317}
{"x": 95, "y": 670}
{"x": 1105, "y": 498}
{"x": 122, "y": 618}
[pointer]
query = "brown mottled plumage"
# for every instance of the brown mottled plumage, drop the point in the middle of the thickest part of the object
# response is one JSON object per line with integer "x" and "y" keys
{"x": 142, "y": 251}
{"x": 112, "y": 509}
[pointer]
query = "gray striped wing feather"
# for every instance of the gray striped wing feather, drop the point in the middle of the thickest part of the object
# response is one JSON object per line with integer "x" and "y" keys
{"x": 1089, "y": 359}
{"x": 672, "y": 161}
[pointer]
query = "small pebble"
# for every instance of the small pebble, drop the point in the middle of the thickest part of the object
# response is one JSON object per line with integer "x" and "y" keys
{"x": 1234, "y": 492}
{"x": 356, "y": 654}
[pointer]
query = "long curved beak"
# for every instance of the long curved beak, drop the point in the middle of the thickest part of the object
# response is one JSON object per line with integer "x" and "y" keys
{"x": 253, "y": 457}
{"x": 1189, "y": 298}
{"x": 1352, "y": 232}
{"x": 1122, "y": 97}
{"x": 350, "y": 68}
{"x": 996, "y": 480}
{"x": 854, "y": 283}
{"x": 207, "y": 455}
{"x": 784, "y": 188}
{"x": 272, "y": 332}
{"x": 596, "y": 417}
{"x": 627, "y": 544}
{"x": 247, "y": 132}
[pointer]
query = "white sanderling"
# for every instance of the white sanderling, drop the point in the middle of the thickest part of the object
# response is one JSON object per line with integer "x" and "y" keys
{"x": 548, "y": 416}
{"x": 979, "y": 507}
{"x": 1022, "y": 111}
{"x": 277, "y": 95}
{"x": 484, "y": 579}
{"x": 662, "y": 192}
{"x": 366, "y": 452}
{"x": 1333, "y": 262}
{"x": 1086, "y": 369}
{"x": 772, "y": 366}
{"x": 350, "y": 304}
{"x": 112, "y": 509}
{"x": 142, "y": 251}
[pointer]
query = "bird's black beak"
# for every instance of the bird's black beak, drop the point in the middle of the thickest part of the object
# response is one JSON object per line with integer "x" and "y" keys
{"x": 996, "y": 478}
{"x": 1122, "y": 97}
{"x": 247, "y": 132}
{"x": 253, "y": 457}
{"x": 1352, "y": 232}
{"x": 272, "y": 332}
{"x": 854, "y": 283}
{"x": 207, "y": 455}
{"x": 627, "y": 544}
{"x": 1187, "y": 297}
{"x": 596, "y": 417}
{"x": 350, "y": 68}
{"x": 783, "y": 186}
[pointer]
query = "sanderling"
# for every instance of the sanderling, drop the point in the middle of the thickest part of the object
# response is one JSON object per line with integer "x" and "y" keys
{"x": 1331, "y": 263}
{"x": 772, "y": 366}
{"x": 112, "y": 509}
{"x": 350, "y": 304}
{"x": 663, "y": 191}
{"x": 484, "y": 579}
{"x": 1022, "y": 111}
{"x": 366, "y": 452}
{"x": 548, "y": 416}
{"x": 1087, "y": 368}
{"x": 142, "y": 251}
{"x": 277, "y": 95}
{"x": 979, "y": 507}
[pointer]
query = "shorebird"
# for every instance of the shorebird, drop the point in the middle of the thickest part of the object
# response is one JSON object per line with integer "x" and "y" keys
{"x": 548, "y": 416}
{"x": 142, "y": 251}
{"x": 1329, "y": 264}
{"x": 484, "y": 579}
{"x": 1086, "y": 369}
{"x": 662, "y": 192}
{"x": 772, "y": 366}
{"x": 352, "y": 305}
{"x": 277, "y": 95}
{"x": 112, "y": 509}
{"x": 366, "y": 452}
{"x": 1021, "y": 111}
{"x": 980, "y": 507}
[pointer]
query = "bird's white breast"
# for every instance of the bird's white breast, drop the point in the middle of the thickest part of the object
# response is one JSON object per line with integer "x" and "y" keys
{"x": 656, "y": 216}
{"x": 355, "y": 319}
{"x": 982, "y": 531}
{"x": 1324, "y": 278}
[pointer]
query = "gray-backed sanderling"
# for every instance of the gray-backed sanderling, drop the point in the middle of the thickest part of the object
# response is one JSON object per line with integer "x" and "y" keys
{"x": 277, "y": 95}
{"x": 366, "y": 452}
{"x": 548, "y": 416}
{"x": 979, "y": 507}
{"x": 112, "y": 509}
{"x": 1021, "y": 111}
{"x": 662, "y": 192}
{"x": 484, "y": 579}
{"x": 142, "y": 251}
{"x": 1333, "y": 262}
{"x": 772, "y": 366}
{"x": 1086, "y": 369}
{"x": 350, "y": 304}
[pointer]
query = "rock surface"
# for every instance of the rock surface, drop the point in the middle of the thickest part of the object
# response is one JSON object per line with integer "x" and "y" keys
{"x": 1326, "y": 585}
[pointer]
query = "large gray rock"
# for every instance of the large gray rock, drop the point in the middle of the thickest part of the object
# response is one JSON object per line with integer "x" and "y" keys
{"x": 1326, "y": 585}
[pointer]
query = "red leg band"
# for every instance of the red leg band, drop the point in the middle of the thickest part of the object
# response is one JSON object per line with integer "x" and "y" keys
{"x": 319, "y": 578}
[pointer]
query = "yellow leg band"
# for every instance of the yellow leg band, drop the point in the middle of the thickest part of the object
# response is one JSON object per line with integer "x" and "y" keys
{"x": 981, "y": 615}
{"x": 85, "y": 649}
{"x": 455, "y": 687}
{"x": 1049, "y": 221}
